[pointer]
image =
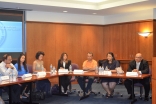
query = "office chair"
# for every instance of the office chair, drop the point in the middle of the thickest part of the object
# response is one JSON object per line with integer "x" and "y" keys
{"x": 141, "y": 86}
{"x": 30, "y": 68}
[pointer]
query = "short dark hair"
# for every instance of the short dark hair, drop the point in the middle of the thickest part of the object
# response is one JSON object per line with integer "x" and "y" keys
{"x": 90, "y": 53}
{"x": 5, "y": 57}
{"x": 38, "y": 54}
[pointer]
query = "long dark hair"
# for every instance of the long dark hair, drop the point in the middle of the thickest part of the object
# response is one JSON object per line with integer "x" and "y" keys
{"x": 61, "y": 58}
{"x": 111, "y": 53}
{"x": 19, "y": 63}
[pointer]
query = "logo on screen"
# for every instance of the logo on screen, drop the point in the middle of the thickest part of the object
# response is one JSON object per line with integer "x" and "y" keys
{"x": 3, "y": 34}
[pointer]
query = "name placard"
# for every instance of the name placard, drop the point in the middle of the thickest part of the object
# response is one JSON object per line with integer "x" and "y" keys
{"x": 27, "y": 75}
{"x": 131, "y": 74}
{"x": 78, "y": 71}
{"x": 107, "y": 73}
{"x": 4, "y": 78}
{"x": 64, "y": 71}
{"x": 41, "y": 73}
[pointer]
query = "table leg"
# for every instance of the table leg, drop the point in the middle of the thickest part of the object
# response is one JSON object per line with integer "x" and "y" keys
{"x": 30, "y": 96}
{"x": 133, "y": 98}
{"x": 10, "y": 93}
{"x": 84, "y": 90}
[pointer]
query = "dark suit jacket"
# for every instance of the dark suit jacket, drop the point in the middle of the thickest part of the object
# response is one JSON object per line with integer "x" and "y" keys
{"x": 144, "y": 67}
{"x": 61, "y": 64}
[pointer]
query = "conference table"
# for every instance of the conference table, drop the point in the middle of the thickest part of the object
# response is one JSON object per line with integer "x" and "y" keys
{"x": 21, "y": 80}
{"x": 49, "y": 75}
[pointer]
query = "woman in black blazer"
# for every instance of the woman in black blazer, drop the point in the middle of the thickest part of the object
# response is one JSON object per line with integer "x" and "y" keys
{"x": 64, "y": 63}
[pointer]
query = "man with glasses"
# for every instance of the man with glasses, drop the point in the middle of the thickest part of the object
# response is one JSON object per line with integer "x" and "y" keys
{"x": 140, "y": 66}
{"x": 6, "y": 67}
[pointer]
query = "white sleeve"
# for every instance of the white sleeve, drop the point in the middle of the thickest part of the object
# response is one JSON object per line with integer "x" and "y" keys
{"x": 4, "y": 71}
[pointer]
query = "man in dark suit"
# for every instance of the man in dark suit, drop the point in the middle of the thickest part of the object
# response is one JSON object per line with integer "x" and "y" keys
{"x": 140, "y": 66}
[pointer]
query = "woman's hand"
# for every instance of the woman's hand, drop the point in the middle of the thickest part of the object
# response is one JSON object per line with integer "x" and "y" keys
{"x": 19, "y": 84}
{"x": 73, "y": 78}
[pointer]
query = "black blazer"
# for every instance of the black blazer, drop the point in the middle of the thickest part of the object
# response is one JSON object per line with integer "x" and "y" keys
{"x": 144, "y": 67}
{"x": 61, "y": 64}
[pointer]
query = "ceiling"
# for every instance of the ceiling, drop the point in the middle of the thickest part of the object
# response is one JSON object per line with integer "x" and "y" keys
{"x": 89, "y": 7}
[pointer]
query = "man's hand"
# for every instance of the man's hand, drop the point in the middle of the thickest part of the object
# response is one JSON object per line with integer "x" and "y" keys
{"x": 136, "y": 70}
{"x": 9, "y": 66}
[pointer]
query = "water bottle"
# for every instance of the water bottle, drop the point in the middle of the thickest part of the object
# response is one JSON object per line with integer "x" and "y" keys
{"x": 70, "y": 69}
{"x": 106, "y": 68}
{"x": 14, "y": 76}
{"x": 51, "y": 68}
{"x": 100, "y": 70}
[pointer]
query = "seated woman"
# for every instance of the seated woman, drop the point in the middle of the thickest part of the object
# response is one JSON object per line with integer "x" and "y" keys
{"x": 22, "y": 69}
{"x": 42, "y": 85}
{"x": 64, "y": 63}
{"x": 109, "y": 83}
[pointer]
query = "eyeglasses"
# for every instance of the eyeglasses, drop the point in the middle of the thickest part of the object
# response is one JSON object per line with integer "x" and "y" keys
{"x": 137, "y": 57}
{"x": 9, "y": 59}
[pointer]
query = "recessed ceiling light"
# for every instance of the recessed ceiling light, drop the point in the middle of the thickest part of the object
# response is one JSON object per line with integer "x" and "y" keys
{"x": 94, "y": 1}
{"x": 94, "y": 13}
{"x": 65, "y": 11}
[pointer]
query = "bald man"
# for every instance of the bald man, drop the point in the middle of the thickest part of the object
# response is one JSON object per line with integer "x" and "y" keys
{"x": 136, "y": 65}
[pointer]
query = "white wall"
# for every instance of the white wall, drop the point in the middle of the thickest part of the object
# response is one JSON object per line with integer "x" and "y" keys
{"x": 63, "y": 17}
{"x": 127, "y": 17}
{"x": 154, "y": 13}
{"x": 90, "y": 19}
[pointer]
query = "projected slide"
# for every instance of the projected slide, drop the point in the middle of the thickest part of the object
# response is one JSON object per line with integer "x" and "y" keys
{"x": 10, "y": 36}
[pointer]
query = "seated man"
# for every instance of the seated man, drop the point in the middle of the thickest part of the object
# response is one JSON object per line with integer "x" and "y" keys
{"x": 139, "y": 64}
{"x": 6, "y": 67}
{"x": 88, "y": 65}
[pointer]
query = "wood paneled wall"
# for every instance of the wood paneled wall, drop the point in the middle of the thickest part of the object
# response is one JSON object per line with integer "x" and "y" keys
{"x": 153, "y": 80}
{"x": 124, "y": 41}
{"x": 53, "y": 39}
{"x": 76, "y": 40}
{"x": 154, "y": 38}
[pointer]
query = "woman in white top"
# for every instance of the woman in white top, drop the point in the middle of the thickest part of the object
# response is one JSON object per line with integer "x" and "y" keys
{"x": 42, "y": 85}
